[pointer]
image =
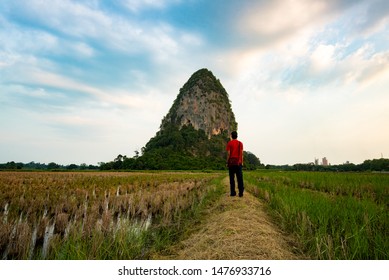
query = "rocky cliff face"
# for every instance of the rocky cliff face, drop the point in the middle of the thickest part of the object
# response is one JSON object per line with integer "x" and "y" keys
{"x": 203, "y": 103}
{"x": 195, "y": 131}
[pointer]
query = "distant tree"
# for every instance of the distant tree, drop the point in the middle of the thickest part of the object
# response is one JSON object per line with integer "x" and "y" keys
{"x": 83, "y": 166}
{"x": 106, "y": 165}
{"x": 92, "y": 167}
{"x": 128, "y": 163}
{"x": 13, "y": 165}
{"x": 72, "y": 166}
{"x": 119, "y": 158}
{"x": 381, "y": 164}
{"x": 251, "y": 161}
{"x": 52, "y": 165}
{"x": 35, "y": 165}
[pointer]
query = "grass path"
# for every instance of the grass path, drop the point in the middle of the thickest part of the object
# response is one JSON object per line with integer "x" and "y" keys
{"x": 234, "y": 228}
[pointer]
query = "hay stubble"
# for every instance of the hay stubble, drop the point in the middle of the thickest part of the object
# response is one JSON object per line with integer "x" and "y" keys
{"x": 235, "y": 228}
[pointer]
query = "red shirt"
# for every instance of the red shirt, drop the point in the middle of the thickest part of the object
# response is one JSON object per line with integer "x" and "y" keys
{"x": 233, "y": 146}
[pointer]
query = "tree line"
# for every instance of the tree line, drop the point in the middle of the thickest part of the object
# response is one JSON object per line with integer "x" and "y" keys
{"x": 12, "y": 165}
{"x": 377, "y": 165}
{"x": 181, "y": 163}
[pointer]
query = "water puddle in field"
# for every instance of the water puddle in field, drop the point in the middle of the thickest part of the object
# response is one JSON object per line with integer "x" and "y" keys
{"x": 33, "y": 242}
{"x": 123, "y": 223}
{"x": 5, "y": 215}
{"x": 138, "y": 226}
{"x": 49, "y": 232}
{"x": 147, "y": 223}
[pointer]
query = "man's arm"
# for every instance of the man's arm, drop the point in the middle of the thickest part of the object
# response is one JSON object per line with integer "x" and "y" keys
{"x": 241, "y": 152}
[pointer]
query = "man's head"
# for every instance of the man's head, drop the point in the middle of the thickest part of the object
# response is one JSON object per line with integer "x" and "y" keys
{"x": 234, "y": 135}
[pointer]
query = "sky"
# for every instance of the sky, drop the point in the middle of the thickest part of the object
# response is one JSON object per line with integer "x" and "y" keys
{"x": 85, "y": 81}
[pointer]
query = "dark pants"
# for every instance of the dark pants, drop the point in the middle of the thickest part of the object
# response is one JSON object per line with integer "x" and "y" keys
{"x": 236, "y": 170}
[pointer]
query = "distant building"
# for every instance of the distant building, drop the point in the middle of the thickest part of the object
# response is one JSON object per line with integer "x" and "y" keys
{"x": 325, "y": 161}
{"x": 316, "y": 161}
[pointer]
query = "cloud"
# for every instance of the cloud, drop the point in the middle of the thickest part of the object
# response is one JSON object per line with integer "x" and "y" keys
{"x": 70, "y": 45}
{"x": 322, "y": 58}
{"x": 81, "y": 20}
{"x": 98, "y": 44}
{"x": 102, "y": 27}
{"x": 310, "y": 51}
{"x": 269, "y": 22}
{"x": 363, "y": 67}
{"x": 114, "y": 97}
{"x": 372, "y": 16}
{"x": 139, "y": 5}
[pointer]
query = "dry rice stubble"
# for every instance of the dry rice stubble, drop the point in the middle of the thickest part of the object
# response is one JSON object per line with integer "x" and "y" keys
{"x": 235, "y": 228}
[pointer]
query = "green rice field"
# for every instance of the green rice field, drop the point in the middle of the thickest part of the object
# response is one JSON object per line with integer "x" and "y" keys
{"x": 333, "y": 215}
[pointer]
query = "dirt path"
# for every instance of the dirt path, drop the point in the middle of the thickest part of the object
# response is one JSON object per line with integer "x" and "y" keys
{"x": 235, "y": 228}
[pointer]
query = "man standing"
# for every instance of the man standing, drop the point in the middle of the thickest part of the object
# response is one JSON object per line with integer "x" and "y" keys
{"x": 234, "y": 163}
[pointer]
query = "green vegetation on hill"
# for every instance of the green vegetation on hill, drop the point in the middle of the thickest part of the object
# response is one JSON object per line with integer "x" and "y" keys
{"x": 184, "y": 148}
{"x": 181, "y": 149}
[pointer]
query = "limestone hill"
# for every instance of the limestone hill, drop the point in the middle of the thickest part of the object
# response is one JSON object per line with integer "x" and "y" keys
{"x": 203, "y": 103}
{"x": 196, "y": 129}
